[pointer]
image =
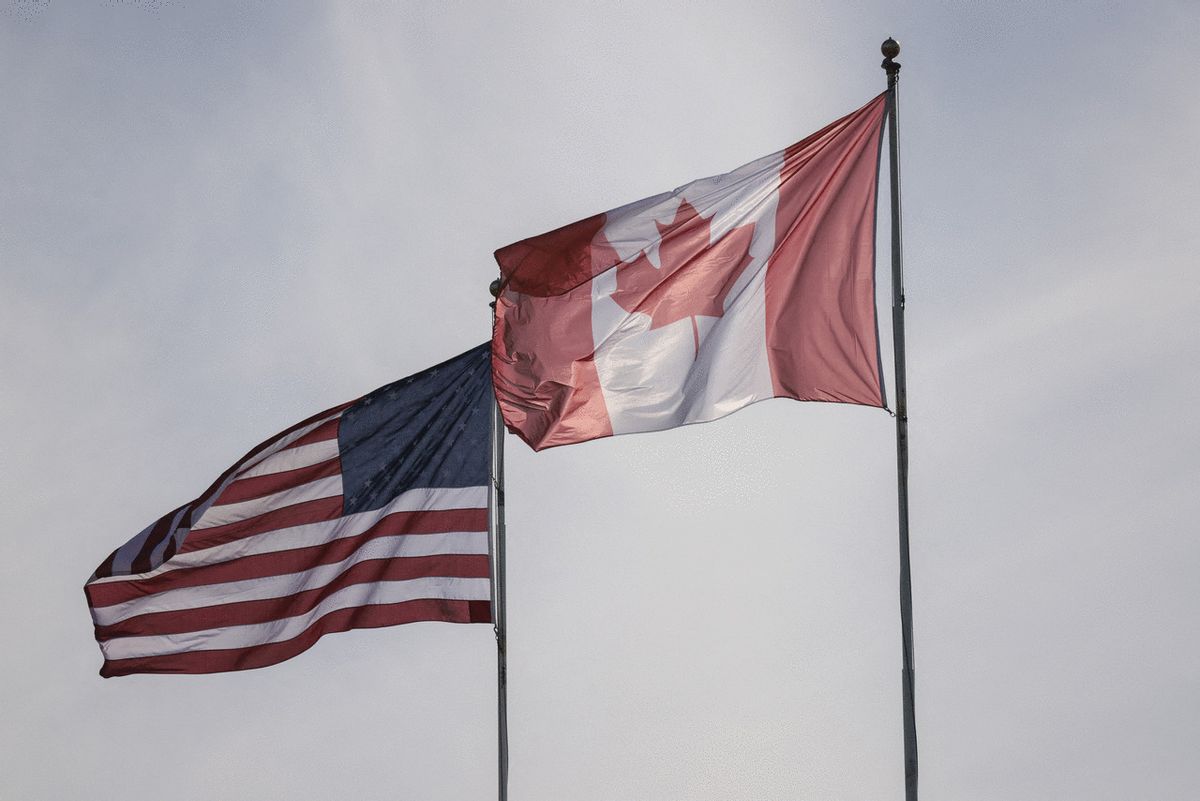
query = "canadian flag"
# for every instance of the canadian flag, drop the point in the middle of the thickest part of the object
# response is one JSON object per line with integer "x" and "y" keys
{"x": 687, "y": 306}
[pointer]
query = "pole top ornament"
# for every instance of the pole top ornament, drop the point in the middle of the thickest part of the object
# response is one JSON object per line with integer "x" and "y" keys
{"x": 890, "y": 49}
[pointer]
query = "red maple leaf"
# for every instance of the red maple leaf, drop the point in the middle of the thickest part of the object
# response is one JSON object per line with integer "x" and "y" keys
{"x": 696, "y": 273}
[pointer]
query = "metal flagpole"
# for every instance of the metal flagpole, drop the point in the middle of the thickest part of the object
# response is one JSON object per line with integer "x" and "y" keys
{"x": 890, "y": 50}
{"x": 496, "y": 519}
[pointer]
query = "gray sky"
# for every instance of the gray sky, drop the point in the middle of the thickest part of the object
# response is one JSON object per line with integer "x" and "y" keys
{"x": 216, "y": 220}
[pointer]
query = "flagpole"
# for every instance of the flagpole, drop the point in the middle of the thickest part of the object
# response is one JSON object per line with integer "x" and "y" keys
{"x": 496, "y": 518}
{"x": 890, "y": 50}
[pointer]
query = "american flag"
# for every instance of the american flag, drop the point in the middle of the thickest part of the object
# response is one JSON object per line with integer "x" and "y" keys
{"x": 373, "y": 513}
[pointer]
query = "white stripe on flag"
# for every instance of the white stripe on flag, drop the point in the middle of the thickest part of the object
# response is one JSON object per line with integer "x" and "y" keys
{"x": 258, "y": 589}
{"x": 388, "y": 592}
{"x": 293, "y": 459}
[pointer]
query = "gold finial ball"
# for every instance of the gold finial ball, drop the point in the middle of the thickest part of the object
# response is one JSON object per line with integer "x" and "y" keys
{"x": 494, "y": 288}
{"x": 890, "y": 48}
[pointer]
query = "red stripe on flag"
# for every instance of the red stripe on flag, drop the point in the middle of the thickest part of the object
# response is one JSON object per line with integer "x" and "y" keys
{"x": 273, "y": 653}
{"x": 245, "y": 489}
{"x": 432, "y": 521}
{"x": 326, "y": 431}
{"x": 315, "y": 511}
{"x": 244, "y": 613}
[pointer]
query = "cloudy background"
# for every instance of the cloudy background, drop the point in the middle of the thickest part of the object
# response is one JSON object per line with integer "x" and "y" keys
{"x": 218, "y": 219}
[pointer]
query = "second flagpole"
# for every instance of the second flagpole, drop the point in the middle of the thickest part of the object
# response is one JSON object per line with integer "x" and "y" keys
{"x": 496, "y": 521}
{"x": 890, "y": 50}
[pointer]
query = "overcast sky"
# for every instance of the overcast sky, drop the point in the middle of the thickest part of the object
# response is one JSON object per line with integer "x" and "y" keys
{"x": 216, "y": 220}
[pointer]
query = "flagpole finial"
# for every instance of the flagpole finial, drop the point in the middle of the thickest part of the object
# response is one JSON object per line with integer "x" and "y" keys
{"x": 494, "y": 288}
{"x": 890, "y": 49}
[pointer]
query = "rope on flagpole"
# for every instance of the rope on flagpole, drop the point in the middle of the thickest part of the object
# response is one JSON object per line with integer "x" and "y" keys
{"x": 890, "y": 50}
{"x": 499, "y": 607}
